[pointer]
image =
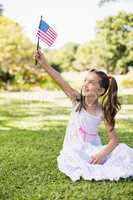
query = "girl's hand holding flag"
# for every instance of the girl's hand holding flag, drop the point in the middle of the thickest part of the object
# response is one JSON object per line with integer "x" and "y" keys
{"x": 40, "y": 58}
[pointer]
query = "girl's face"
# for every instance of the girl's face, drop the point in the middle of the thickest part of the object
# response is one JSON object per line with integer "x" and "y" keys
{"x": 91, "y": 85}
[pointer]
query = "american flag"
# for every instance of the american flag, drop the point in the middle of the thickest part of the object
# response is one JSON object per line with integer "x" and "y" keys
{"x": 46, "y": 33}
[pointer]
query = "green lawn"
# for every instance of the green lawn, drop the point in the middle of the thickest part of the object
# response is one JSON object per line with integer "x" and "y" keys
{"x": 31, "y": 136}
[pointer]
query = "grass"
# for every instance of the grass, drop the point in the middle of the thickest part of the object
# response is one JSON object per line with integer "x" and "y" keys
{"x": 31, "y": 136}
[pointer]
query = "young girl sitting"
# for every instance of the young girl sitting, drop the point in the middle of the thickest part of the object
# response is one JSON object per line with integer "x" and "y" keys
{"x": 83, "y": 154}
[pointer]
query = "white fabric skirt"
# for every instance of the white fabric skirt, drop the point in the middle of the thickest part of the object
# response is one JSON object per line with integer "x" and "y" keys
{"x": 75, "y": 163}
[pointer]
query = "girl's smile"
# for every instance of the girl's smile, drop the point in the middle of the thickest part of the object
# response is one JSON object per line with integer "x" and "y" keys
{"x": 90, "y": 85}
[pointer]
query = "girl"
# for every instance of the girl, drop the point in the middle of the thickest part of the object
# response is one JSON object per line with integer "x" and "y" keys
{"x": 83, "y": 154}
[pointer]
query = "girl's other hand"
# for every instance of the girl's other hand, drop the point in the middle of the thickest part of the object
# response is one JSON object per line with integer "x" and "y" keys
{"x": 39, "y": 56}
{"x": 97, "y": 159}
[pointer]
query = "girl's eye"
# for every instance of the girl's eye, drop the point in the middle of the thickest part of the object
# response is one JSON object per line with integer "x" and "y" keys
{"x": 92, "y": 82}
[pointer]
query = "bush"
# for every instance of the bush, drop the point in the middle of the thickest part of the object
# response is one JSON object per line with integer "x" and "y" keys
{"x": 127, "y": 81}
{"x": 48, "y": 83}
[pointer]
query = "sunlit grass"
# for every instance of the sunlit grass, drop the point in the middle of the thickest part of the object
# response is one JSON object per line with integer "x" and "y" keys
{"x": 31, "y": 136}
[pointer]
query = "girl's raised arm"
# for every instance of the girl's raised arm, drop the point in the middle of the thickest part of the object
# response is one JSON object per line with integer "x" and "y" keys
{"x": 55, "y": 75}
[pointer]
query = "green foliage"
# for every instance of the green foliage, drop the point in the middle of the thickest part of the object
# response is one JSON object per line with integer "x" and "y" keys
{"x": 83, "y": 55}
{"x": 87, "y": 56}
{"x": 127, "y": 81}
{"x": 16, "y": 58}
{"x": 64, "y": 57}
{"x": 111, "y": 49}
{"x": 114, "y": 38}
{"x": 16, "y": 54}
{"x": 17, "y": 50}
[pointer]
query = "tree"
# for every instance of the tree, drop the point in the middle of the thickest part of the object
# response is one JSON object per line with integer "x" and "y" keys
{"x": 63, "y": 58}
{"x": 114, "y": 36}
{"x": 16, "y": 48}
{"x": 112, "y": 46}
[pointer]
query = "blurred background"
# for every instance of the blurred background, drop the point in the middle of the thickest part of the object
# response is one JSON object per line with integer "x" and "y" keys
{"x": 96, "y": 34}
{"x": 90, "y": 34}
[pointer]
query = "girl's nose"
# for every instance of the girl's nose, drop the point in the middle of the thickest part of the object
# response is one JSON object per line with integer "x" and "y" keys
{"x": 86, "y": 86}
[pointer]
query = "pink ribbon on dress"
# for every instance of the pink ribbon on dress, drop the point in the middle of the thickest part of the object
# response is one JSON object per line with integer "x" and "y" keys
{"x": 87, "y": 136}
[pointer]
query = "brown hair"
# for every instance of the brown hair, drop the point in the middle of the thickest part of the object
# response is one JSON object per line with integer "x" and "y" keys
{"x": 110, "y": 102}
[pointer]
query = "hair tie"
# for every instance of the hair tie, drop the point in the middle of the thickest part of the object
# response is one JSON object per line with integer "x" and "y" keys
{"x": 109, "y": 77}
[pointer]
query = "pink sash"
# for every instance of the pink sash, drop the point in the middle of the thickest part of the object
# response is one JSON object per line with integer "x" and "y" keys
{"x": 87, "y": 137}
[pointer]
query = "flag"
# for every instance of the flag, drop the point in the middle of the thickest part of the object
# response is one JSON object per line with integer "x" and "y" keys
{"x": 45, "y": 33}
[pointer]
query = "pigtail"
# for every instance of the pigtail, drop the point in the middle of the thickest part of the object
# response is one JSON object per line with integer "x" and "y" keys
{"x": 110, "y": 102}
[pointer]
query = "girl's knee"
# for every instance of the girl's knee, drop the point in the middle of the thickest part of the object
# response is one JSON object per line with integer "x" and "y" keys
{"x": 123, "y": 146}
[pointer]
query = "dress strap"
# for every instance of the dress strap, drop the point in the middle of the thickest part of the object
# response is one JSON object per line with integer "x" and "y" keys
{"x": 75, "y": 105}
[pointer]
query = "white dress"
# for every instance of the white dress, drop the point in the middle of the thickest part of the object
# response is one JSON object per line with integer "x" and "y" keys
{"x": 81, "y": 142}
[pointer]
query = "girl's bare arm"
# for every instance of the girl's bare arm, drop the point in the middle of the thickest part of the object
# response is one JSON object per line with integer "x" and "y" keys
{"x": 112, "y": 137}
{"x": 55, "y": 75}
{"x": 99, "y": 157}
